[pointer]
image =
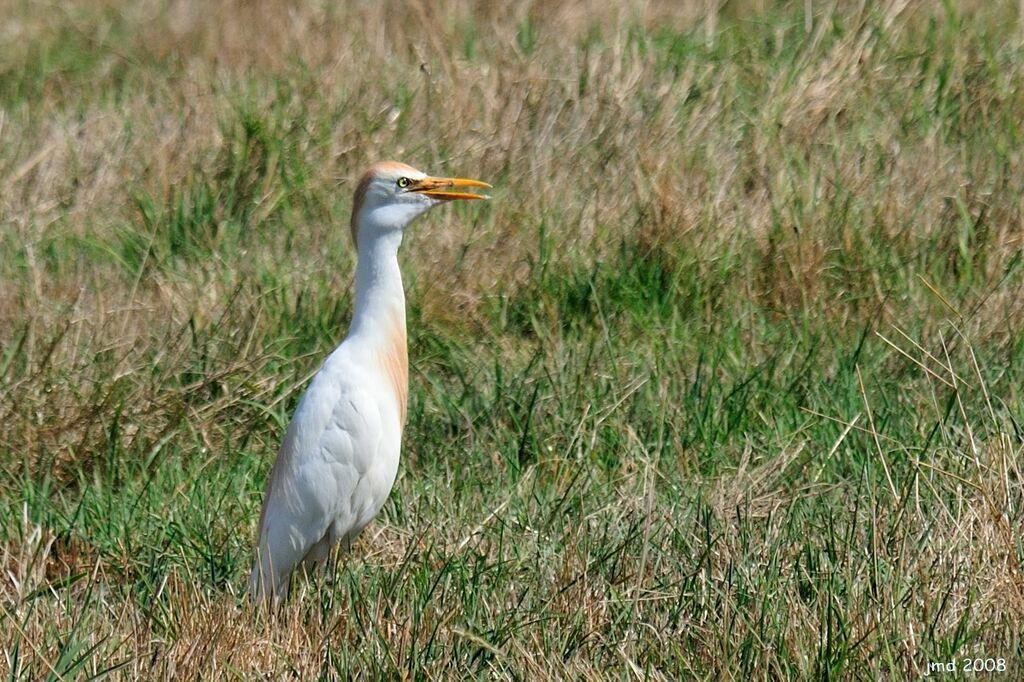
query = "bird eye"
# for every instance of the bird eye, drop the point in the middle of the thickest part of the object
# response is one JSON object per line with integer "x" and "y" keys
{"x": 403, "y": 182}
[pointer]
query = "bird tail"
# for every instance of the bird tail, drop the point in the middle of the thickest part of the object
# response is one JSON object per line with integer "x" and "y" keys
{"x": 265, "y": 584}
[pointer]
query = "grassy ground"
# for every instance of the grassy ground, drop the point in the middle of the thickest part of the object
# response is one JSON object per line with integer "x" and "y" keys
{"x": 725, "y": 381}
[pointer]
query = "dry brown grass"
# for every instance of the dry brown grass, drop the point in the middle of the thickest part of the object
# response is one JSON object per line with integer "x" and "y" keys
{"x": 174, "y": 259}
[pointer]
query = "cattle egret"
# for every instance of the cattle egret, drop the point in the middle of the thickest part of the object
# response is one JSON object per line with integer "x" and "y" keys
{"x": 339, "y": 456}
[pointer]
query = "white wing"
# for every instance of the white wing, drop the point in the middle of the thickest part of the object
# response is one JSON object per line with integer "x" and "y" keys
{"x": 332, "y": 474}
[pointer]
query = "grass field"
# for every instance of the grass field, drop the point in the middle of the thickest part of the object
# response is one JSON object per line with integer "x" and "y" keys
{"x": 724, "y": 383}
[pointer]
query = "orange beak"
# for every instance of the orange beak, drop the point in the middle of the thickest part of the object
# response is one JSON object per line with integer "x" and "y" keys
{"x": 441, "y": 188}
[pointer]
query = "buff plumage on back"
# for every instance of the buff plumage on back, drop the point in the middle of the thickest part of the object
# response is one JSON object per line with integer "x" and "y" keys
{"x": 364, "y": 185}
{"x": 394, "y": 362}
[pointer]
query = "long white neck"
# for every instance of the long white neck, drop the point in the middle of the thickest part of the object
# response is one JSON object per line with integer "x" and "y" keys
{"x": 380, "y": 298}
{"x": 378, "y": 323}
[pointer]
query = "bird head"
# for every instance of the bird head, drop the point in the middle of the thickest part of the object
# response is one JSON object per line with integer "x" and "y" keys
{"x": 391, "y": 194}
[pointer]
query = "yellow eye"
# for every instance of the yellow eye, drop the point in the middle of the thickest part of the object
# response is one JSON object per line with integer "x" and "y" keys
{"x": 403, "y": 182}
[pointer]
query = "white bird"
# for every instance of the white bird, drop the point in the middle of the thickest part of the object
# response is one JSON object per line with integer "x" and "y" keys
{"x": 339, "y": 456}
